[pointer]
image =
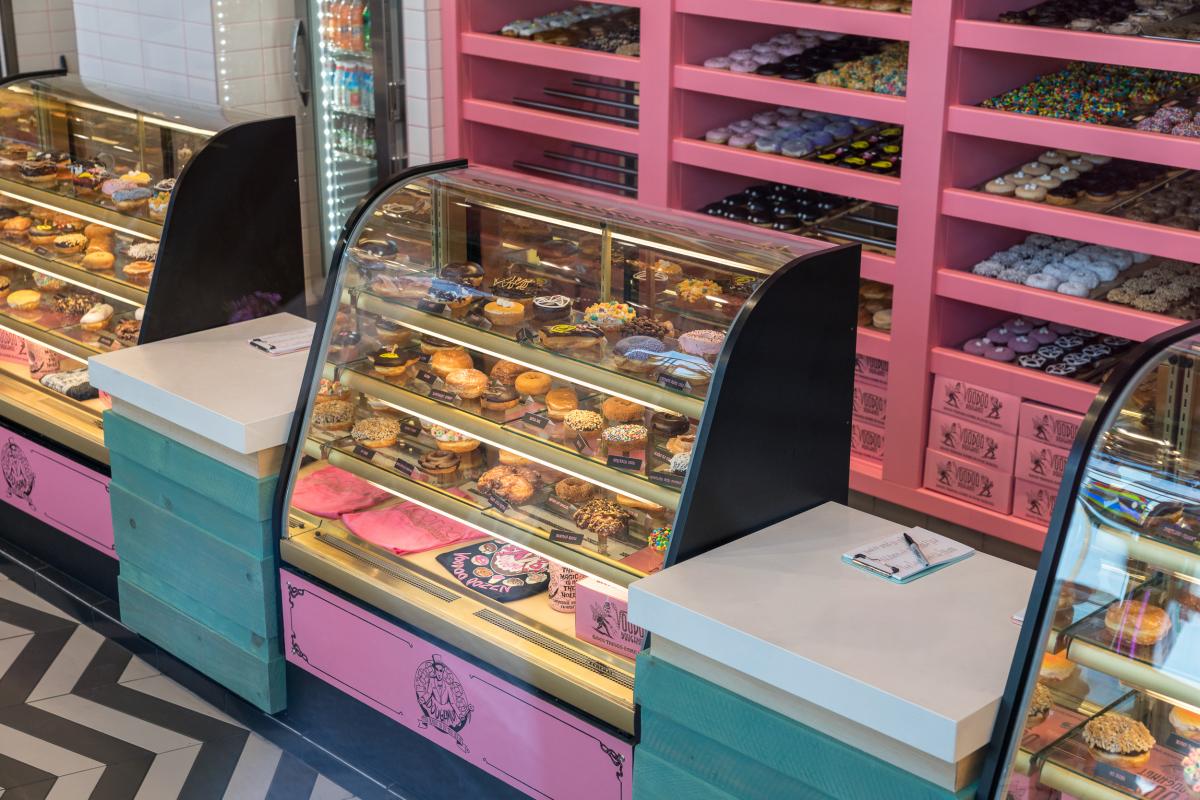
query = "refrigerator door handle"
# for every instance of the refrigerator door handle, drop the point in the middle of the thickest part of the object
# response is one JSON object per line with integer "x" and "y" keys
{"x": 301, "y": 74}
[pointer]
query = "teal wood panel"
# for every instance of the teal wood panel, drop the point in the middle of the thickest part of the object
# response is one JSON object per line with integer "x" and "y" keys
{"x": 259, "y": 682}
{"x": 246, "y": 533}
{"x": 655, "y": 778}
{"x": 200, "y": 565}
{"x": 245, "y": 494}
{"x": 254, "y": 643}
{"x": 681, "y": 711}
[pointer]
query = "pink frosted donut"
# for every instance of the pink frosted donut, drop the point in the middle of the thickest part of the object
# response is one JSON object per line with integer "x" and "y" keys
{"x": 112, "y": 186}
{"x": 702, "y": 342}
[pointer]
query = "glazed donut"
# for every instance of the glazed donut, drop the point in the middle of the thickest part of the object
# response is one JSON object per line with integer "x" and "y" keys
{"x": 1085, "y": 276}
{"x": 1058, "y": 270}
{"x": 1042, "y": 280}
{"x": 1143, "y": 623}
{"x": 1105, "y": 270}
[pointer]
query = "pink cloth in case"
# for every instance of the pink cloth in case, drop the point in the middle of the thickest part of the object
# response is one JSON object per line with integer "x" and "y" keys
{"x": 331, "y": 492}
{"x": 408, "y": 528}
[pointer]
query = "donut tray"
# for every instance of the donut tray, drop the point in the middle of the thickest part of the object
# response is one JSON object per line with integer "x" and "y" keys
{"x": 1095, "y": 206}
{"x": 1180, "y": 29}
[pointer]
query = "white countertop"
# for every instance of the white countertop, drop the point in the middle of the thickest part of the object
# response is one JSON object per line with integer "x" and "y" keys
{"x": 212, "y": 382}
{"x": 924, "y": 663}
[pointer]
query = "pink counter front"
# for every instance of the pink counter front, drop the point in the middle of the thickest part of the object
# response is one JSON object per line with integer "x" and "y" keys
{"x": 500, "y": 727}
{"x": 56, "y": 490}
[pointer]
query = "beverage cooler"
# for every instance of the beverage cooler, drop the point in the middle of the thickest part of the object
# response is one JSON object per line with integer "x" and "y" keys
{"x": 349, "y": 67}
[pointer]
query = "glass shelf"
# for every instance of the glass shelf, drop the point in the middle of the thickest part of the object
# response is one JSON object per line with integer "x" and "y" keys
{"x": 111, "y": 283}
{"x": 92, "y": 209}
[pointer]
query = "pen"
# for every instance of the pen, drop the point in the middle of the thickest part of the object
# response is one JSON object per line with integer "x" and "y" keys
{"x": 916, "y": 550}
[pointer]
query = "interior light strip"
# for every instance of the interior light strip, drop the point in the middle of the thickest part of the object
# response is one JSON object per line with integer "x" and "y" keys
{"x": 40, "y": 343}
{"x": 555, "y": 467}
{"x": 105, "y": 223}
{"x": 480, "y": 528}
{"x": 71, "y": 281}
{"x": 520, "y": 212}
{"x": 535, "y": 368}
{"x": 682, "y": 251}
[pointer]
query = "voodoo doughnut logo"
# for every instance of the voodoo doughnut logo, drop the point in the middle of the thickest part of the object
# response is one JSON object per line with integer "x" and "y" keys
{"x": 442, "y": 699}
{"x": 18, "y": 473}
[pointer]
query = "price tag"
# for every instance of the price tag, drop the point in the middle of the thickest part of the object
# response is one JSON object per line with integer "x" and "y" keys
{"x": 479, "y": 321}
{"x": 625, "y": 462}
{"x": 536, "y": 420}
{"x": 1118, "y": 777}
{"x": 667, "y": 479}
{"x": 559, "y": 506}
{"x": 527, "y": 336}
{"x": 403, "y": 467}
{"x": 671, "y": 382}
{"x": 1180, "y": 744}
{"x": 364, "y": 452}
{"x": 495, "y": 501}
{"x": 41, "y": 251}
{"x": 663, "y": 454}
{"x": 411, "y": 427}
{"x": 443, "y": 396}
{"x": 424, "y": 358}
{"x": 427, "y": 376}
{"x": 107, "y": 341}
{"x": 580, "y": 443}
{"x": 565, "y": 537}
{"x": 430, "y": 306}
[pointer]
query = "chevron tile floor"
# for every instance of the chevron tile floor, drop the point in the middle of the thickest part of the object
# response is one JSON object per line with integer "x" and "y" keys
{"x": 83, "y": 718}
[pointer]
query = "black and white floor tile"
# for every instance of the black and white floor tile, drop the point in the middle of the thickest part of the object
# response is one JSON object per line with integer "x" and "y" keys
{"x": 83, "y": 718}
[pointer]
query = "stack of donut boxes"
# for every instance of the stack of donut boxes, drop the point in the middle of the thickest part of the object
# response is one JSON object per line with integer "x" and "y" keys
{"x": 995, "y": 450}
{"x": 870, "y": 407}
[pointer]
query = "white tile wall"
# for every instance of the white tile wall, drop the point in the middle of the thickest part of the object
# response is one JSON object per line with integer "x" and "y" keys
{"x": 160, "y": 46}
{"x": 422, "y": 21}
{"x": 45, "y": 29}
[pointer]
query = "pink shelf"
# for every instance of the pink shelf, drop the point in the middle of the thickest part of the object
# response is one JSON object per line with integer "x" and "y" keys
{"x": 1067, "y": 222}
{"x": 1027, "y": 383}
{"x": 1132, "y": 51}
{"x": 1083, "y": 313}
{"x": 1158, "y": 148}
{"x": 547, "y": 123}
{"x": 552, "y": 56}
{"x": 776, "y": 91}
{"x": 873, "y": 343}
{"x": 768, "y": 167}
{"x": 878, "y": 267}
{"x": 886, "y": 25}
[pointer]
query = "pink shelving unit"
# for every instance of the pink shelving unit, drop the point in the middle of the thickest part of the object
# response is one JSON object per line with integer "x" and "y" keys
{"x": 959, "y": 55}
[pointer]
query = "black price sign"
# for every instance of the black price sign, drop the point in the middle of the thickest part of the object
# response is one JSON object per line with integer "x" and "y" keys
{"x": 107, "y": 341}
{"x": 41, "y": 251}
{"x": 663, "y": 454}
{"x": 667, "y": 479}
{"x": 424, "y": 358}
{"x": 565, "y": 537}
{"x": 427, "y": 376}
{"x": 559, "y": 506}
{"x": 1119, "y": 777}
{"x": 671, "y": 382}
{"x": 429, "y": 306}
{"x": 443, "y": 396}
{"x": 580, "y": 443}
{"x": 496, "y": 501}
{"x": 411, "y": 427}
{"x": 536, "y": 420}
{"x": 526, "y": 336}
{"x": 403, "y": 467}
{"x": 624, "y": 462}
{"x": 364, "y": 452}
{"x": 1180, "y": 744}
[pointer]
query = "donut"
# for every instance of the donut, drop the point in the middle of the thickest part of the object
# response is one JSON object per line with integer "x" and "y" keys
{"x": 1061, "y": 370}
{"x": 988, "y": 268}
{"x": 1022, "y": 345}
{"x": 1041, "y": 280}
{"x": 999, "y": 353}
{"x": 1085, "y": 276}
{"x": 1043, "y": 335}
{"x": 573, "y": 490}
{"x": 1032, "y": 361}
{"x": 1019, "y": 325}
{"x": 977, "y": 347}
{"x": 999, "y": 335}
{"x": 1105, "y": 271}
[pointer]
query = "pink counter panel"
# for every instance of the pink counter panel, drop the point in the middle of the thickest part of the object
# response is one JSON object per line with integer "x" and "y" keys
{"x": 497, "y": 726}
{"x": 959, "y": 55}
{"x": 56, "y": 490}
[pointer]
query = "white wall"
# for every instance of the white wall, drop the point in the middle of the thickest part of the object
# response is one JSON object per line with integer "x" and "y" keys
{"x": 45, "y": 29}
{"x": 422, "y": 22}
{"x": 160, "y": 46}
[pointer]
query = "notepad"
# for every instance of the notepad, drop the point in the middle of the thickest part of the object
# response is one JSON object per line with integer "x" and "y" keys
{"x": 891, "y": 559}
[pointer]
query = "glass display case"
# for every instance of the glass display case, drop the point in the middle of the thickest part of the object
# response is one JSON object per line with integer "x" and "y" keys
{"x": 510, "y": 398}
{"x": 1104, "y": 697}
{"x": 119, "y": 224}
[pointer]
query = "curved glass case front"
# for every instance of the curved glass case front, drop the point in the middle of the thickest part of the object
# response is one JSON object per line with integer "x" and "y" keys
{"x": 512, "y": 380}
{"x": 1111, "y": 704}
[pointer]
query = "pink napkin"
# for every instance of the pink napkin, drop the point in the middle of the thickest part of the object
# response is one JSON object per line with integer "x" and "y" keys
{"x": 331, "y": 492}
{"x": 408, "y": 528}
